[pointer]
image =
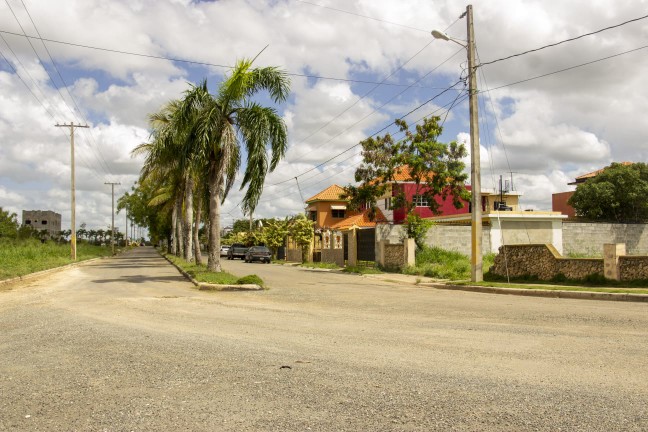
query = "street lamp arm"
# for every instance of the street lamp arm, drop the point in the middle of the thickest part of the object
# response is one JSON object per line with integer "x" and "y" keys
{"x": 441, "y": 35}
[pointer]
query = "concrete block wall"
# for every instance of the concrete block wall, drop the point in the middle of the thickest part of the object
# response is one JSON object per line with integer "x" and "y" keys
{"x": 456, "y": 238}
{"x": 588, "y": 238}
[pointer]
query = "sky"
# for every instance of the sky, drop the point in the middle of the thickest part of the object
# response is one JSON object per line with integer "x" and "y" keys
{"x": 545, "y": 117}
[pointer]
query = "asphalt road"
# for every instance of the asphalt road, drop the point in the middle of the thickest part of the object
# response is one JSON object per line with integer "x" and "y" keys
{"x": 126, "y": 344}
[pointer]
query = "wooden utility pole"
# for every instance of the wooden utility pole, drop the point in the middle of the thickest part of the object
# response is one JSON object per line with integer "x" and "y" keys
{"x": 476, "y": 269}
{"x": 73, "y": 254}
{"x": 112, "y": 236}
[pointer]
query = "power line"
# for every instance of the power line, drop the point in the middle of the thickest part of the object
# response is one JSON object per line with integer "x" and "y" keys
{"x": 280, "y": 194}
{"x": 566, "y": 69}
{"x": 375, "y": 109}
{"x": 564, "y": 41}
{"x": 199, "y": 63}
{"x": 96, "y": 148}
{"x": 363, "y": 16}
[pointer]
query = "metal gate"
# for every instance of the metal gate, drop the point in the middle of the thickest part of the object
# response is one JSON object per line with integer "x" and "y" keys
{"x": 367, "y": 244}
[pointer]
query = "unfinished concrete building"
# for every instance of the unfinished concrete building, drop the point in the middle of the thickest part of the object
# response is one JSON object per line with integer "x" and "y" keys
{"x": 42, "y": 220}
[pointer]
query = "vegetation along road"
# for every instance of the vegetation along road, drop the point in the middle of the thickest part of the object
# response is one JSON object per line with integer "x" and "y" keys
{"x": 125, "y": 343}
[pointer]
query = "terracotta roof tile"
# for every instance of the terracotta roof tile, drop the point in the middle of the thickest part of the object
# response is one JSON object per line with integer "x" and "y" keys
{"x": 331, "y": 193}
{"x": 592, "y": 174}
{"x": 360, "y": 221}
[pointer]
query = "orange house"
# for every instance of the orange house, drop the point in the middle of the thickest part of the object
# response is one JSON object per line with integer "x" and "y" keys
{"x": 327, "y": 208}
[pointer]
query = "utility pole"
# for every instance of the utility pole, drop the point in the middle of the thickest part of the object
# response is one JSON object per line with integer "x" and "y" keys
{"x": 476, "y": 269}
{"x": 73, "y": 248}
{"x": 112, "y": 237}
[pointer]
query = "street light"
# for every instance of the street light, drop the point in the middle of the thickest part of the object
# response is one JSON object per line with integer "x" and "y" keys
{"x": 476, "y": 270}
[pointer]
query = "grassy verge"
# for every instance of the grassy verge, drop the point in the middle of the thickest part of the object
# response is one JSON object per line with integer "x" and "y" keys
{"x": 22, "y": 257}
{"x": 321, "y": 265}
{"x": 443, "y": 264}
{"x": 201, "y": 274}
{"x": 552, "y": 287}
{"x": 362, "y": 270}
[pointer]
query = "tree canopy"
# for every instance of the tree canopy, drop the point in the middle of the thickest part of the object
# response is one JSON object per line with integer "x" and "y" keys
{"x": 617, "y": 194}
{"x": 436, "y": 168}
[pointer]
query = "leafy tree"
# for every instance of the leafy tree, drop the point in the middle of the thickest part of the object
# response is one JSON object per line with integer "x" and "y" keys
{"x": 302, "y": 231}
{"x": 8, "y": 224}
{"x": 617, "y": 194}
{"x": 275, "y": 231}
{"x": 435, "y": 168}
{"x": 417, "y": 228}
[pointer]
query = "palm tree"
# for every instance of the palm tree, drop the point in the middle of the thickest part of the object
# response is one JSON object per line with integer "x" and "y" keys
{"x": 221, "y": 123}
{"x": 170, "y": 164}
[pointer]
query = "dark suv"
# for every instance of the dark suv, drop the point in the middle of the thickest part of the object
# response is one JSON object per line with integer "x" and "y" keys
{"x": 258, "y": 253}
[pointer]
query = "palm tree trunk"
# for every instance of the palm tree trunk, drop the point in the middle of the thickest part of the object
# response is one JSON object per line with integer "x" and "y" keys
{"x": 196, "y": 242}
{"x": 187, "y": 221}
{"x": 215, "y": 179}
{"x": 174, "y": 240}
{"x": 178, "y": 226}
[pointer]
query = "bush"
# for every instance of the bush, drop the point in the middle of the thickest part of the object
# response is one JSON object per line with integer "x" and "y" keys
{"x": 250, "y": 280}
{"x": 439, "y": 263}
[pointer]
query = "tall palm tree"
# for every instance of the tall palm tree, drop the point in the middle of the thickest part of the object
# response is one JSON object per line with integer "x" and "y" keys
{"x": 221, "y": 123}
{"x": 170, "y": 162}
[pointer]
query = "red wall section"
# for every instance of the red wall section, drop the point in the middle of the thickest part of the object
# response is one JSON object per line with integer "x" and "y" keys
{"x": 446, "y": 208}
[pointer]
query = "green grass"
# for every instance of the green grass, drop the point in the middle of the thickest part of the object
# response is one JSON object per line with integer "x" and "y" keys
{"x": 548, "y": 287}
{"x": 439, "y": 263}
{"x": 22, "y": 257}
{"x": 322, "y": 265}
{"x": 362, "y": 270}
{"x": 201, "y": 274}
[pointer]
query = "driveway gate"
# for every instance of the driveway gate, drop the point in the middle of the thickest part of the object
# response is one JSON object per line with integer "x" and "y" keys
{"x": 367, "y": 244}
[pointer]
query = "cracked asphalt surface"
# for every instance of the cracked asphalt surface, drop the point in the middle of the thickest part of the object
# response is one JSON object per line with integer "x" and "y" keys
{"x": 127, "y": 344}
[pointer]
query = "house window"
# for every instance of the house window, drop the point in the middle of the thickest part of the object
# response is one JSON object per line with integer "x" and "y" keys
{"x": 420, "y": 201}
{"x": 312, "y": 215}
{"x": 338, "y": 214}
{"x": 387, "y": 203}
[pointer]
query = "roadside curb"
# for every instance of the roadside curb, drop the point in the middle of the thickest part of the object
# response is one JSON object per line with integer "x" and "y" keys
{"x": 45, "y": 272}
{"x": 203, "y": 286}
{"x": 581, "y": 295}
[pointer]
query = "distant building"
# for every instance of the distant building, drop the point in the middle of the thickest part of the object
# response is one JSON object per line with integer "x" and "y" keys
{"x": 559, "y": 200}
{"x": 42, "y": 220}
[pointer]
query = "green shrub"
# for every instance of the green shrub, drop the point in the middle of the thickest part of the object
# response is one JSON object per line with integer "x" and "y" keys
{"x": 250, "y": 280}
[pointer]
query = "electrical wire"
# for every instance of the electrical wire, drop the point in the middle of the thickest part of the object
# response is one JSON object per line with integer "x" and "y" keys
{"x": 362, "y": 16}
{"x": 563, "y": 41}
{"x": 279, "y": 194}
{"x": 375, "y": 110}
{"x": 565, "y": 69}
{"x": 102, "y": 160}
{"x": 199, "y": 63}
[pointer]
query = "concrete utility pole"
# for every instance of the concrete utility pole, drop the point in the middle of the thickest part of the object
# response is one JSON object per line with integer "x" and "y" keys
{"x": 476, "y": 270}
{"x": 112, "y": 237}
{"x": 73, "y": 248}
{"x": 477, "y": 274}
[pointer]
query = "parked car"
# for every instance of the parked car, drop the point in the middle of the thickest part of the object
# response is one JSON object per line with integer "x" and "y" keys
{"x": 224, "y": 249}
{"x": 258, "y": 253}
{"x": 237, "y": 250}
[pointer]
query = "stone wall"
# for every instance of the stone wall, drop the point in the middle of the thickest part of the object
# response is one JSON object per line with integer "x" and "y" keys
{"x": 588, "y": 238}
{"x": 633, "y": 267}
{"x": 393, "y": 255}
{"x": 335, "y": 256}
{"x": 544, "y": 262}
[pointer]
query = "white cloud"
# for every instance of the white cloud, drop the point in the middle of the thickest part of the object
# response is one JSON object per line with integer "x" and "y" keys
{"x": 552, "y": 129}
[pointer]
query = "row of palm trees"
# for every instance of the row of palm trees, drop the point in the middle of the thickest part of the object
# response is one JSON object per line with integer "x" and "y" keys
{"x": 195, "y": 151}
